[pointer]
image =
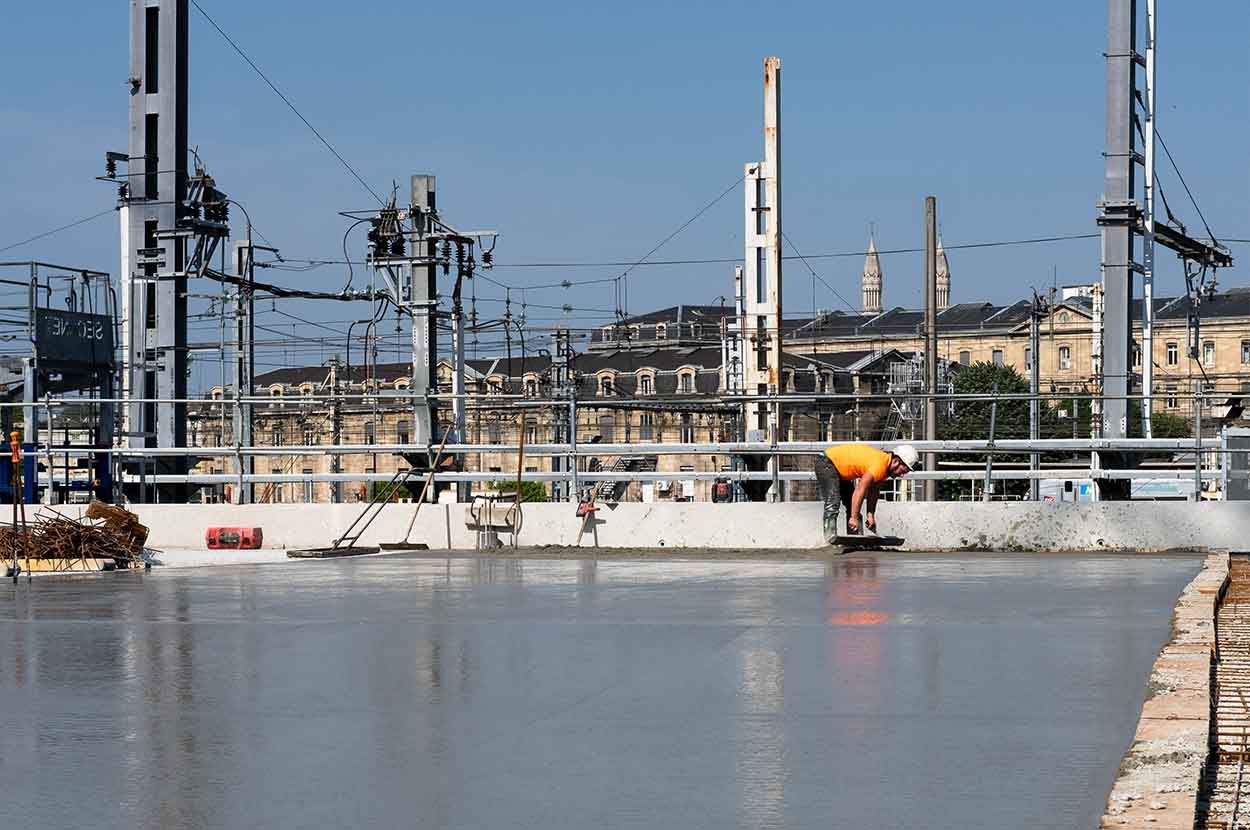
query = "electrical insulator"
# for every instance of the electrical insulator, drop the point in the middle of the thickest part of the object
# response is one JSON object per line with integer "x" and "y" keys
{"x": 459, "y": 256}
{"x": 110, "y": 167}
{"x": 488, "y": 259}
{"x": 375, "y": 234}
{"x": 397, "y": 245}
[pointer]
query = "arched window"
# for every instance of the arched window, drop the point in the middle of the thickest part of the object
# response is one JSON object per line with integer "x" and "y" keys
{"x": 531, "y": 386}
{"x": 1065, "y": 357}
{"x": 606, "y": 385}
{"x": 661, "y": 331}
{"x": 685, "y": 382}
{"x": 1063, "y": 317}
{"x": 646, "y": 383}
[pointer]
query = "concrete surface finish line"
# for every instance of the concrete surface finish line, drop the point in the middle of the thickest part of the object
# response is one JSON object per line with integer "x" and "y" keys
{"x": 900, "y": 690}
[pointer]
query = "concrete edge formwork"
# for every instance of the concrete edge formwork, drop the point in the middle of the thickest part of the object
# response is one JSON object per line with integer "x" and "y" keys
{"x": 940, "y": 526}
{"x": 1159, "y": 777}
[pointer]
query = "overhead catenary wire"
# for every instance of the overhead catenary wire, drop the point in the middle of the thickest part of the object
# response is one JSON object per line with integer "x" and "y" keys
{"x": 73, "y": 224}
{"x": 287, "y": 101}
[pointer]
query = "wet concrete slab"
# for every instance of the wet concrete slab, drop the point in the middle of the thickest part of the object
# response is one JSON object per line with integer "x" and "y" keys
{"x": 866, "y": 691}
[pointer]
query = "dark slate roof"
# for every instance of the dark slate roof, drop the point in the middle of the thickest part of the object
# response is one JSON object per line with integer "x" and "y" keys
{"x": 518, "y": 366}
{"x": 296, "y": 375}
{"x": 683, "y": 314}
{"x": 664, "y": 360}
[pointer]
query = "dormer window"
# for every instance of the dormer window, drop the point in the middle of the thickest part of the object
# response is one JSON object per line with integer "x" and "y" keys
{"x": 531, "y": 387}
{"x": 646, "y": 384}
{"x": 685, "y": 383}
{"x": 606, "y": 386}
{"x": 661, "y": 331}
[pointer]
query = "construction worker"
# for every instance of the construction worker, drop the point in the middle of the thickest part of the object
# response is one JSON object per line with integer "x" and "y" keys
{"x": 851, "y": 474}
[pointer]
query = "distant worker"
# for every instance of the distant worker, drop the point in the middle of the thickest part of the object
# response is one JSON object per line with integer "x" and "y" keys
{"x": 851, "y": 474}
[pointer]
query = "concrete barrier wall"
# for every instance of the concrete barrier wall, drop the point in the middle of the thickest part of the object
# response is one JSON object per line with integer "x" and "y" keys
{"x": 1146, "y": 526}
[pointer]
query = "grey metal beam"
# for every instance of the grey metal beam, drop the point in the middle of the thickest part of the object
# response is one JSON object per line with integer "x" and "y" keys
{"x": 1119, "y": 214}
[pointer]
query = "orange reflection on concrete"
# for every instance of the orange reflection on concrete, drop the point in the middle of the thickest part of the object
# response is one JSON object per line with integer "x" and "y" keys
{"x": 859, "y": 618}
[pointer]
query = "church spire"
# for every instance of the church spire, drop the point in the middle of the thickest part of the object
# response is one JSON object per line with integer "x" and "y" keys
{"x": 872, "y": 281}
{"x": 943, "y": 276}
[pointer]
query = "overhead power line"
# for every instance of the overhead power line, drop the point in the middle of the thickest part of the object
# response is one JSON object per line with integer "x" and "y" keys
{"x": 1039, "y": 240}
{"x": 73, "y": 224}
{"x": 287, "y": 101}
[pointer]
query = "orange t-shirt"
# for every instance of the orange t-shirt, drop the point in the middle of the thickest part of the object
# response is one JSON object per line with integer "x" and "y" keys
{"x": 857, "y": 460}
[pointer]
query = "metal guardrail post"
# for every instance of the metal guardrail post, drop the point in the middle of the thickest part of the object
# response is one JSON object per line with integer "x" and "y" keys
{"x": 989, "y": 456}
{"x": 574, "y": 487}
{"x": 1198, "y": 445}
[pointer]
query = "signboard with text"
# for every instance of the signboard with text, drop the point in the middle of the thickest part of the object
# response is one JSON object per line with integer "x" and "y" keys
{"x": 73, "y": 338}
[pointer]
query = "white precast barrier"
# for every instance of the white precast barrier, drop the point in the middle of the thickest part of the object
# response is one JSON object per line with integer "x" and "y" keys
{"x": 1023, "y": 526}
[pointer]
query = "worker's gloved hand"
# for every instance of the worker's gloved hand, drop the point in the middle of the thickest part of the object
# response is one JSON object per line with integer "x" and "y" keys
{"x": 852, "y": 524}
{"x": 871, "y": 522}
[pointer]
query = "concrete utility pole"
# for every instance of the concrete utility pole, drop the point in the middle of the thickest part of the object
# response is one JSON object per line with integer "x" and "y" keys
{"x": 762, "y": 275}
{"x": 931, "y": 339}
{"x": 423, "y": 298}
{"x": 1035, "y": 339}
{"x": 156, "y": 280}
{"x": 244, "y": 362}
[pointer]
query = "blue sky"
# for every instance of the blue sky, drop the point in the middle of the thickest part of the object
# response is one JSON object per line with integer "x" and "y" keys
{"x": 589, "y": 132}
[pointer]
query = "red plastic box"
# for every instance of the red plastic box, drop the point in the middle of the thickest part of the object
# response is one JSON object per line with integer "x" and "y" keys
{"x": 233, "y": 538}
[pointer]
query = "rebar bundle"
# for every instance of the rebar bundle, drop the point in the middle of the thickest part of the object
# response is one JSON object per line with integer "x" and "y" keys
{"x": 60, "y": 543}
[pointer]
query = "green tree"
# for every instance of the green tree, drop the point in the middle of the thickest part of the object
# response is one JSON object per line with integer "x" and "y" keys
{"x": 970, "y": 420}
{"x": 530, "y": 490}
{"x": 385, "y": 490}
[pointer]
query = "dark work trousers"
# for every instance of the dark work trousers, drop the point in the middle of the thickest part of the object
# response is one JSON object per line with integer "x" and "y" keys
{"x": 833, "y": 490}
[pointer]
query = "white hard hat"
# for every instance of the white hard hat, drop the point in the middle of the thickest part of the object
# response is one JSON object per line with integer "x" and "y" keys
{"x": 908, "y": 455}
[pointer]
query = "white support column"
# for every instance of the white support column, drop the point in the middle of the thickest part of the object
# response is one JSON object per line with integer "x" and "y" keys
{"x": 762, "y": 271}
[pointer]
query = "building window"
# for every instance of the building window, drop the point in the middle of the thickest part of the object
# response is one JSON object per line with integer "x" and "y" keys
{"x": 605, "y": 386}
{"x": 998, "y": 357}
{"x": 1063, "y": 317}
{"x": 494, "y": 385}
{"x": 275, "y": 391}
{"x": 965, "y": 357}
{"x": 492, "y": 432}
{"x": 310, "y": 436}
{"x": 1245, "y": 352}
{"x": 1172, "y": 353}
{"x": 401, "y": 432}
{"x": 661, "y": 331}
{"x": 531, "y": 387}
{"x": 1065, "y": 357}
{"x": 646, "y": 426}
{"x": 277, "y": 436}
{"x": 635, "y": 332}
{"x": 277, "y": 488}
{"x": 646, "y": 386}
{"x": 1137, "y": 355}
{"x": 685, "y": 383}
{"x": 787, "y": 380}
{"x": 531, "y": 433}
{"x": 1028, "y": 358}
{"x": 1171, "y": 397}
{"x": 607, "y": 333}
{"x": 696, "y": 331}
{"x": 308, "y": 485}
{"x": 687, "y": 430}
{"x": 369, "y": 433}
{"x": 1208, "y": 353}
{"x": 306, "y": 390}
